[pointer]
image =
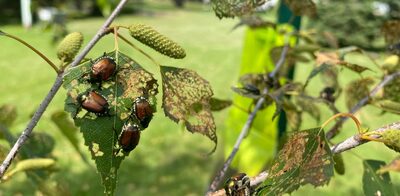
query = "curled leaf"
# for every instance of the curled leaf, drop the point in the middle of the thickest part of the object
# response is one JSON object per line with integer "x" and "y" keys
{"x": 219, "y": 104}
{"x": 186, "y": 97}
{"x": 31, "y": 164}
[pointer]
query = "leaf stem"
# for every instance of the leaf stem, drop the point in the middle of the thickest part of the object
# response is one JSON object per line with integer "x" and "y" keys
{"x": 33, "y": 49}
{"x": 138, "y": 49}
{"x": 335, "y": 129}
{"x": 56, "y": 86}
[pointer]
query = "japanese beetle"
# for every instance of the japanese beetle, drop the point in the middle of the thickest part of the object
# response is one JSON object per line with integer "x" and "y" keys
{"x": 103, "y": 68}
{"x": 143, "y": 111}
{"x": 238, "y": 185}
{"x": 94, "y": 102}
{"x": 129, "y": 137}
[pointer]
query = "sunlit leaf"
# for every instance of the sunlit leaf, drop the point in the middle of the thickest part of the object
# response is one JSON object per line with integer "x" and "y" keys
{"x": 304, "y": 7}
{"x": 186, "y": 97}
{"x": 101, "y": 132}
{"x": 219, "y": 104}
{"x": 357, "y": 90}
{"x": 375, "y": 184}
{"x": 331, "y": 58}
{"x": 305, "y": 159}
{"x": 68, "y": 129}
{"x": 232, "y": 8}
{"x": 392, "y": 166}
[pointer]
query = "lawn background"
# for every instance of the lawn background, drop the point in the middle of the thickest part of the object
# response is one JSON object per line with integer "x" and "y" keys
{"x": 168, "y": 160}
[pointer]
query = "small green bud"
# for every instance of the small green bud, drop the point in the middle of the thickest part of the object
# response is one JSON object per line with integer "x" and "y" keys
{"x": 150, "y": 37}
{"x": 69, "y": 46}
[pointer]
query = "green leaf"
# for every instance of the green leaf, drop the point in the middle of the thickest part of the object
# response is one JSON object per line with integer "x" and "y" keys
{"x": 31, "y": 164}
{"x": 101, "y": 132}
{"x": 68, "y": 129}
{"x": 8, "y": 114}
{"x": 339, "y": 164}
{"x": 316, "y": 71}
{"x": 186, "y": 97}
{"x": 388, "y": 105}
{"x": 219, "y": 104}
{"x": 304, "y": 159}
{"x": 375, "y": 184}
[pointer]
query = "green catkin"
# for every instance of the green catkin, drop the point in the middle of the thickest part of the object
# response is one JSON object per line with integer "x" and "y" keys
{"x": 69, "y": 46}
{"x": 150, "y": 37}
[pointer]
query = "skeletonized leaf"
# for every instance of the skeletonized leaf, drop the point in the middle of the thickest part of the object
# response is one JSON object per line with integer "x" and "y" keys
{"x": 101, "y": 132}
{"x": 304, "y": 159}
{"x": 390, "y": 30}
{"x": 375, "y": 184}
{"x": 357, "y": 90}
{"x": 68, "y": 129}
{"x": 232, "y": 8}
{"x": 304, "y": 7}
{"x": 392, "y": 166}
{"x": 8, "y": 114}
{"x": 186, "y": 97}
{"x": 219, "y": 104}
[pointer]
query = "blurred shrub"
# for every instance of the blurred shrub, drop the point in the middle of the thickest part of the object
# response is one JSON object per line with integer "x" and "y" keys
{"x": 354, "y": 22}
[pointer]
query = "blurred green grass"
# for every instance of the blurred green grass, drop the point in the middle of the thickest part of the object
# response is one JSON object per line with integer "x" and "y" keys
{"x": 168, "y": 160}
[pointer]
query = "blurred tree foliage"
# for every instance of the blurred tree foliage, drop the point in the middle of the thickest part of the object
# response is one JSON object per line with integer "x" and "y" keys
{"x": 354, "y": 22}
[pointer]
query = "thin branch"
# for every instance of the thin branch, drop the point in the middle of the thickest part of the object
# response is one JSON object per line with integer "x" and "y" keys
{"x": 335, "y": 129}
{"x": 56, "y": 86}
{"x": 33, "y": 49}
{"x": 343, "y": 146}
{"x": 220, "y": 175}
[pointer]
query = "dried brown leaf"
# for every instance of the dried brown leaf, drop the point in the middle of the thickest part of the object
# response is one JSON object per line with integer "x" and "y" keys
{"x": 304, "y": 7}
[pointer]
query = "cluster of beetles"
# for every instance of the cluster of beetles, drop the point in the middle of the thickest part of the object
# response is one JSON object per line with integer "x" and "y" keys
{"x": 102, "y": 70}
